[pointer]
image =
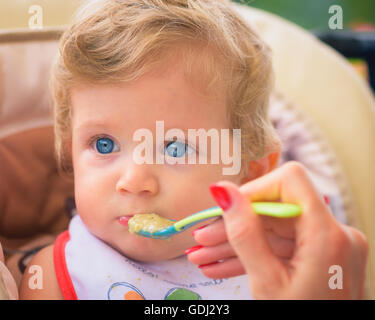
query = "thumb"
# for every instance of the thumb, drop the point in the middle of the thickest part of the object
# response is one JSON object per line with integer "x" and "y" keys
{"x": 246, "y": 235}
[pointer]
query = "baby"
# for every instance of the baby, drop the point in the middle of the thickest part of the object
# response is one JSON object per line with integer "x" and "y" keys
{"x": 127, "y": 65}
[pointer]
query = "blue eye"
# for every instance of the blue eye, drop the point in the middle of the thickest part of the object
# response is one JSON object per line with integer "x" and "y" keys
{"x": 105, "y": 145}
{"x": 176, "y": 149}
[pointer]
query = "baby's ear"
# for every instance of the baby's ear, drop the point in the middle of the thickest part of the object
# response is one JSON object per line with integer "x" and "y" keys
{"x": 260, "y": 167}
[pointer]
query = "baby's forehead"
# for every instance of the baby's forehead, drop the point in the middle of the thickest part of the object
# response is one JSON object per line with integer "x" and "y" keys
{"x": 179, "y": 89}
{"x": 199, "y": 64}
{"x": 204, "y": 68}
{"x": 144, "y": 102}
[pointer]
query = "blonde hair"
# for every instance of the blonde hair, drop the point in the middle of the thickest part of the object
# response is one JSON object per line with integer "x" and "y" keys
{"x": 120, "y": 40}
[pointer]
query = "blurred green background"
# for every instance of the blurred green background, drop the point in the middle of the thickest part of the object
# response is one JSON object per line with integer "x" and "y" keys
{"x": 313, "y": 14}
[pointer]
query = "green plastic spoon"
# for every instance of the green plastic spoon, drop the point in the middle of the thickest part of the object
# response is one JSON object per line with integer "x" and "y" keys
{"x": 273, "y": 209}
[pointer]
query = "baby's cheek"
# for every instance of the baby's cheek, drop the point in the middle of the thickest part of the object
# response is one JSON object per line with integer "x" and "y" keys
{"x": 191, "y": 199}
{"x": 88, "y": 195}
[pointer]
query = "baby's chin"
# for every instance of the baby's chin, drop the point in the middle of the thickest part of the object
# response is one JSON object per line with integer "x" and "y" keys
{"x": 150, "y": 254}
{"x": 151, "y": 257}
{"x": 148, "y": 250}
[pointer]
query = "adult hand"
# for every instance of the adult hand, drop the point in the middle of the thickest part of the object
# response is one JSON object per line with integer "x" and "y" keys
{"x": 283, "y": 258}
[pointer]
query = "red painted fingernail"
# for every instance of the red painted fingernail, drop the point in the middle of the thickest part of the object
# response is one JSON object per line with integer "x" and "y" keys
{"x": 206, "y": 265}
{"x": 193, "y": 233}
{"x": 192, "y": 249}
{"x": 221, "y": 196}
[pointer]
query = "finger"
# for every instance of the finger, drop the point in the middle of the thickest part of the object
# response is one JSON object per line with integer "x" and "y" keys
{"x": 228, "y": 268}
{"x": 281, "y": 247}
{"x": 246, "y": 235}
{"x": 214, "y": 233}
{"x": 280, "y": 238}
{"x": 291, "y": 184}
{"x": 288, "y": 183}
{"x": 207, "y": 255}
{"x": 211, "y": 235}
{"x": 284, "y": 228}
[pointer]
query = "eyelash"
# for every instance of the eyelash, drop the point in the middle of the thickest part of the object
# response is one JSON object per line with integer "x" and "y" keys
{"x": 166, "y": 142}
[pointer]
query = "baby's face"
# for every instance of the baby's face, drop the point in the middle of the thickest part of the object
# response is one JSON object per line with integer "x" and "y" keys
{"x": 110, "y": 187}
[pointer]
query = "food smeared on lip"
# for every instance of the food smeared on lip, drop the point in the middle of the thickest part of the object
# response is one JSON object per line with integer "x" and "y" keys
{"x": 149, "y": 222}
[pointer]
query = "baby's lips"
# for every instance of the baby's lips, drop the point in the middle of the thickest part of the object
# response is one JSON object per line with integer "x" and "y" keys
{"x": 124, "y": 220}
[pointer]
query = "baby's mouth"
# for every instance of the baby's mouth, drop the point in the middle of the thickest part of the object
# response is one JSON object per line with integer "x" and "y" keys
{"x": 124, "y": 220}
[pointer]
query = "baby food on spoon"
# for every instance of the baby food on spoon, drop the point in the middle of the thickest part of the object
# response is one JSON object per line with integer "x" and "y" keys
{"x": 150, "y": 222}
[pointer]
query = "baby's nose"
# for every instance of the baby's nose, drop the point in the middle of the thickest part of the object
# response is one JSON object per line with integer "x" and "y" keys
{"x": 139, "y": 180}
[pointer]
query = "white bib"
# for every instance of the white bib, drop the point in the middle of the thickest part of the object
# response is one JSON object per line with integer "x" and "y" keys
{"x": 90, "y": 269}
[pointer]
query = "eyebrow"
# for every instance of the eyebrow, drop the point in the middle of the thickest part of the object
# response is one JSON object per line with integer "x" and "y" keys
{"x": 94, "y": 124}
{"x": 91, "y": 124}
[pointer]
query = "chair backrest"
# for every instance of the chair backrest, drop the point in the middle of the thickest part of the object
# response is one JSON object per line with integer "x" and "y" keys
{"x": 32, "y": 194}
